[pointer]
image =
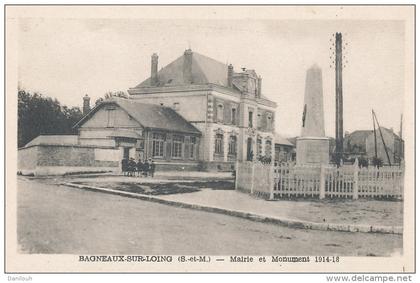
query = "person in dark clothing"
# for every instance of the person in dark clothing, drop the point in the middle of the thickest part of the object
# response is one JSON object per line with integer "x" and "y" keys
{"x": 139, "y": 168}
{"x": 124, "y": 166}
{"x": 146, "y": 168}
{"x": 131, "y": 167}
{"x": 152, "y": 168}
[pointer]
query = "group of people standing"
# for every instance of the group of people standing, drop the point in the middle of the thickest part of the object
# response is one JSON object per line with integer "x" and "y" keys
{"x": 141, "y": 168}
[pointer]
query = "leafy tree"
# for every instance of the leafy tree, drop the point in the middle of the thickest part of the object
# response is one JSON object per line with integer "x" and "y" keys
{"x": 43, "y": 115}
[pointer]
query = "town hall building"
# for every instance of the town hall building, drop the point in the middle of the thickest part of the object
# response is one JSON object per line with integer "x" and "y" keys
{"x": 235, "y": 119}
{"x": 194, "y": 114}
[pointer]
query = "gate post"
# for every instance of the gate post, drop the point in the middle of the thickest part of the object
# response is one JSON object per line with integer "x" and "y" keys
{"x": 322, "y": 182}
{"x": 356, "y": 179}
{"x": 271, "y": 181}
{"x": 252, "y": 176}
{"x": 236, "y": 174}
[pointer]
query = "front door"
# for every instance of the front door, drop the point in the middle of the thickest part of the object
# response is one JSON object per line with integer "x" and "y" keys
{"x": 249, "y": 153}
{"x": 126, "y": 153}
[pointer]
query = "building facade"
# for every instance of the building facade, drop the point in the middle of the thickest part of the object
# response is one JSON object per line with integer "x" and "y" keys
{"x": 194, "y": 114}
{"x": 235, "y": 120}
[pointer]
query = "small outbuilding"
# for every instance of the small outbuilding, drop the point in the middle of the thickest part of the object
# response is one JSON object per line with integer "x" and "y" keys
{"x": 115, "y": 129}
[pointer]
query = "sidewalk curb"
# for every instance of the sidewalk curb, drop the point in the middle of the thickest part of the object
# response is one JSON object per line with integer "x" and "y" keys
{"x": 290, "y": 223}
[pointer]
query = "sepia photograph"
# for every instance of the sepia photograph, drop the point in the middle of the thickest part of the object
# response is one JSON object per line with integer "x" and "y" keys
{"x": 209, "y": 138}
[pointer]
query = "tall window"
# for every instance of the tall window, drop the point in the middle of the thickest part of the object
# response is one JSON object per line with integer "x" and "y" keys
{"x": 193, "y": 142}
{"x": 233, "y": 116}
{"x": 259, "y": 121}
{"x": 269, "y": 122}
{"x": 250, "y": 118}
{"x": 157, "y": 144}
{"x": 220, "y": 113}
{"x": 268, "y": 148}
{"x": 218, "y": 144}
{"x": 259, "y": 147}
{"x": 232, "y": 145}
{"x": 249, "y": 152}
{"x": 177, "y": 146}
{"x": 110, "y": 114}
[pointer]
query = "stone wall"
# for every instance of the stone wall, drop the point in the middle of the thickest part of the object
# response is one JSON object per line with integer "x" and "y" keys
{"x": 59, "y": 159}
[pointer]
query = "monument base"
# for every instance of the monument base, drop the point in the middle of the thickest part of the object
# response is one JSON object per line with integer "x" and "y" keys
{"x": 312, "y": 150}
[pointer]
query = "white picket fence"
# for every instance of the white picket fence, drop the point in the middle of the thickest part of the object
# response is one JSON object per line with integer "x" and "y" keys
{"x": 321, "y": 181}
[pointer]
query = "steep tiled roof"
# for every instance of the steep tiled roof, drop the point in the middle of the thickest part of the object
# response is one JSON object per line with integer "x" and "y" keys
{"x": 148, "y": 115}
{"x": 204, "y": 70}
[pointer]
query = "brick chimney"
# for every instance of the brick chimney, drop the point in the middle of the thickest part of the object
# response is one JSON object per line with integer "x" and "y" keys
{"x": 154, "y": 70}
{"x": 259, "y": 84}
{"x": 230, "y": 75}
{"x": 187, "y": 67}
{"x": 86, "y": 104}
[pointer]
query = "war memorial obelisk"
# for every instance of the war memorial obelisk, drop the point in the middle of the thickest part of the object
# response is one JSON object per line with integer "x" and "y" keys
{"x": 312, "y": 147}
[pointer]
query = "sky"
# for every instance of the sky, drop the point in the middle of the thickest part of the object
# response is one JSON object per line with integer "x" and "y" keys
{"x": 68, "y": 58}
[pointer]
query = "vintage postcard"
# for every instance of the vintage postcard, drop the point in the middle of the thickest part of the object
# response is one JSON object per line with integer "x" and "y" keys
{"x": 209, "y": 139}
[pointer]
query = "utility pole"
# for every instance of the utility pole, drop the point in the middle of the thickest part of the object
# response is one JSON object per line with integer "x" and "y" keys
{"x": 339, "y": 142}
{"x": 374, "y": 134}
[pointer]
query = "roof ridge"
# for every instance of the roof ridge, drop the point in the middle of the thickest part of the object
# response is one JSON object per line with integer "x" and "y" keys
{"x": 209, "y": 58}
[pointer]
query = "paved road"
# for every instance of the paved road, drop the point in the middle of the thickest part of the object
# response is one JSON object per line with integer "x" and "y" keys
{"x": 59, "y": 219}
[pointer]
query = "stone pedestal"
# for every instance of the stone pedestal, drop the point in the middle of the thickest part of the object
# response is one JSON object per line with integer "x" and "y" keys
{"x": 312, "y": 150}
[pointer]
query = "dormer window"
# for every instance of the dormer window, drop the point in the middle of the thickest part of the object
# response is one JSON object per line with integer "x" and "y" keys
{"x": 251, "y": 86}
